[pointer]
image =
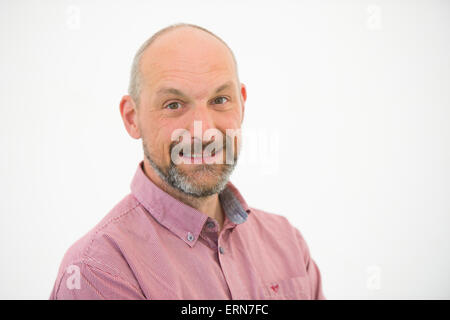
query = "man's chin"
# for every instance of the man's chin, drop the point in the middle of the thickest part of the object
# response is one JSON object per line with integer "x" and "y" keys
{"x": 202, "y": 179}
{"x": 201, "y": 174}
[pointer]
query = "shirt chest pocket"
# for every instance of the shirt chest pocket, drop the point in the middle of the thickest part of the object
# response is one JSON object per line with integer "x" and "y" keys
{"x": 295, "y": 288}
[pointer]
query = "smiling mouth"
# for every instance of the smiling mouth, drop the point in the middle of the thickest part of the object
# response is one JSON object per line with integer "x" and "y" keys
{"x": 200, "y": 156}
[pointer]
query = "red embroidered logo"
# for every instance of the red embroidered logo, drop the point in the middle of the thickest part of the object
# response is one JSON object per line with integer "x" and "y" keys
{"x": 274, "y": 288}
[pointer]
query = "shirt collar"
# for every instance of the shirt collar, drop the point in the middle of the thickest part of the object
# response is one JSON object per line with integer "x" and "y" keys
{"x": 180, "y": 218}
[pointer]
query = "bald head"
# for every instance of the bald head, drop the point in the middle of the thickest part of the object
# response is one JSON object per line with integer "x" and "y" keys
{"x": 174, "y": 44}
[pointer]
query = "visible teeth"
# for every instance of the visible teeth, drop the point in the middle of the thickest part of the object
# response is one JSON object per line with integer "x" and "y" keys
{"x": 213, "y": 153}
{"x": 195, "y": 155}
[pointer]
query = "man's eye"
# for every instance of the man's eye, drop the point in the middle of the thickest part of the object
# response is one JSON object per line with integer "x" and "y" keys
{"x": 219, "y": 99}
{"x": 173, "y": 106}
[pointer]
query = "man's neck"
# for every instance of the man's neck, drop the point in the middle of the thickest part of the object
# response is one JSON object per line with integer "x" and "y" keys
{"x": 209, "y": 205}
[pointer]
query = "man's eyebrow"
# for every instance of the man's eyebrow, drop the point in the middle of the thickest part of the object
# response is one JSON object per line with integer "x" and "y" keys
{"x": 177, "y": 92}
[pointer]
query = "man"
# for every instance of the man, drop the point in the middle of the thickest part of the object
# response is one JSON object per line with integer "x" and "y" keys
{"x": 185, "y": 231}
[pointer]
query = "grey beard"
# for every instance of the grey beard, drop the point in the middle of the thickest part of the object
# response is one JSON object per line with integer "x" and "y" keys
{"x": 178, "y": 180}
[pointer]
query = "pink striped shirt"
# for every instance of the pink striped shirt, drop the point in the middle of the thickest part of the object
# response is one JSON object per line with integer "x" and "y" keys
{"x": 152, "y": 246}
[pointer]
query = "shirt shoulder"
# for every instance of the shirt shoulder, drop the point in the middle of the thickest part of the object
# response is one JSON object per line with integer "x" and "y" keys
{"x": 270, "y": 222}
{"x": 112, "y": 222}
{"x": 277, "y": 228}
{"x": 268, "y": 217}
{"x": 98, "y": 248}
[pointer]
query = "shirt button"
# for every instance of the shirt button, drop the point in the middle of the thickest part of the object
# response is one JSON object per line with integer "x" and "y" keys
{"x": 221, "y": 250}
{"x": 210, "y": 224}
{"x": 190, "y": 236}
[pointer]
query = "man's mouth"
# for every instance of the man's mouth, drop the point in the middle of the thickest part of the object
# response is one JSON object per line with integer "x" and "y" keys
{"x": 199, "y": 158}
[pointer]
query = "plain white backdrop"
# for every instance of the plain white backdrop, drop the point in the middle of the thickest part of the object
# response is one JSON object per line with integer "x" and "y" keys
{"x": 346, "y": 119}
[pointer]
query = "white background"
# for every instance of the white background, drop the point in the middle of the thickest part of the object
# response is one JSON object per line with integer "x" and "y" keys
{"x": 354, "y": 96}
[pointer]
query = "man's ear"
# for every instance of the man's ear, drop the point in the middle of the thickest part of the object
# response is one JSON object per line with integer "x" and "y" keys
{"x": 243, "y": 99}
{"x": 129, "y": 115}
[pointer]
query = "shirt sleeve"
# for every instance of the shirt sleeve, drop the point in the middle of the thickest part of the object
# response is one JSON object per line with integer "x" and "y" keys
{"x": 81, "y": 281}
{"x": 312, "y": 270}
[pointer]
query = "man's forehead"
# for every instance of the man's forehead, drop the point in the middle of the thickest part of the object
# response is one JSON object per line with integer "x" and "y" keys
{"x": 191, "y": 66}
{"x": 188, "y": 78}
{"x": 189, "y": 81}
{"x": 166, "y": 63}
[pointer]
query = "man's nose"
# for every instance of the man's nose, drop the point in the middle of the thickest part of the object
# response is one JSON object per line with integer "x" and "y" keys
{"x": 200, "y": 121}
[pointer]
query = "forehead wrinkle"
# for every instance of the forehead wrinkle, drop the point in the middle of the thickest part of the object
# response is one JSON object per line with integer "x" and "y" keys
{"x": 156, "y": 74}
{"x": 179, "y": 67}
